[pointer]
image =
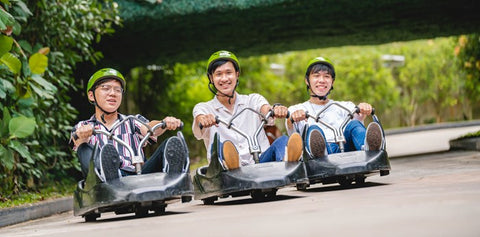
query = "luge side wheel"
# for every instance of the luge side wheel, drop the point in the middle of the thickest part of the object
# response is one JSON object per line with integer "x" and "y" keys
{"x": 302, "y": 187}
{"x": 209, "y": 201}
{"x": 92, "y": 217}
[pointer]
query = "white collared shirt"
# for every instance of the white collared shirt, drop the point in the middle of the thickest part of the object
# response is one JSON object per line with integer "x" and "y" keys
{"x": 247, "y": 122}
{"x": 333, "y": 116}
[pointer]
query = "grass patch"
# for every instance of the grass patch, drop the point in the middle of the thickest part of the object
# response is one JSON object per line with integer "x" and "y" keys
{"x": 56, "y": 190}
{"x": 470, "y": 135}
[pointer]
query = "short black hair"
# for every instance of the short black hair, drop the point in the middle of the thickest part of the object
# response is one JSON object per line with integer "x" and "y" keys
{"x": 318, "y": 68}
{"x": 219, "y": 63}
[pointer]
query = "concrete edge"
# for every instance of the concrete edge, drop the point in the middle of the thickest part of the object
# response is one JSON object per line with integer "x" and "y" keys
{"x": 14, "y": 215}
{"x": 427, "y": 127}
{"x": 470, "y": 144}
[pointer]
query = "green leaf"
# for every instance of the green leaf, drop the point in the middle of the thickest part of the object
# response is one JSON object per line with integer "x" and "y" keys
{"x": 12, "y": 62}
{"x": 41, "y": 157}
{"x": 42, "y": 93}
{"x": 38, "y": 63}
{"x": 21, "y": 127}
{"x": 24, "y": 7}
{"x": 25, "y": 46}
{"x": 6, "y": 157}
{"x": 5, "y": 19}
{"x": 22, "y": 150}
{"x": 6, "y": 121}
{"x": 26, "y": 101}
{"x": 17, "y": 28}
{"x": 44, "y": 83}
{"x": 5, "y": 44}
{"x": 3, "y": 94}
{"x": 8, "y": 86}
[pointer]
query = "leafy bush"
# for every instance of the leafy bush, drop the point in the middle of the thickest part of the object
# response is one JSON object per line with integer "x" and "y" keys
{"x": 36, "y": 69}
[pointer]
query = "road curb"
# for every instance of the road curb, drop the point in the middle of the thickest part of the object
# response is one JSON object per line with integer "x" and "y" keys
{"x": 471, "y": 144}
{"x": 14, "y": 215}
{"x": 428, "y": 127}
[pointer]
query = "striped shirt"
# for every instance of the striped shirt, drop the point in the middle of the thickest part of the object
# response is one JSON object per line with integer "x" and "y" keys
{"x": 128, "y": 131}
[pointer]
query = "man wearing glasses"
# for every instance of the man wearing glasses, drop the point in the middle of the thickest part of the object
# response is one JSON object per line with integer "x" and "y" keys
{"x": 105, "y": 90}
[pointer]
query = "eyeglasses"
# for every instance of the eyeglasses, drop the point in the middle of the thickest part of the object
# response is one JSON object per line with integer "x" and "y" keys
{"x": 107, "y": 88}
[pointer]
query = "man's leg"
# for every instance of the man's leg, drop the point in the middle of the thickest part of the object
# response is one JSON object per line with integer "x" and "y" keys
{"x": 154, "y": 163}
{"x": 315, "y": 142}
{"x": 84, "y": 154}
{"x": 276, "y": 151}
{"x": 110, "y": 163}
{"x": 169, "y": 157}
{"x": 355, "y": 135}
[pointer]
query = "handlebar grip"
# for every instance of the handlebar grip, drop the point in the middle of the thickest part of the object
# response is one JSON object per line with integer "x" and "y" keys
{"x": 291, "y": 119}
{"x": 217, "y": 121}
{"x": 272, "y": 113}
{"x": 357, "y": 110}
{"x": 164, "y": 125}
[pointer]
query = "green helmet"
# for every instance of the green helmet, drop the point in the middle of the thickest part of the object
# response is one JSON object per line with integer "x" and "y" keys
{"x": 320, "y": 60}
{"x": 225, "y": 55}
{"x": 105, "y": 73}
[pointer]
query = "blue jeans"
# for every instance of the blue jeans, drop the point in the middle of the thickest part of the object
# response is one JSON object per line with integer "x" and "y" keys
{"x": 354, "y": 134}
{"x": 275, "y": 152}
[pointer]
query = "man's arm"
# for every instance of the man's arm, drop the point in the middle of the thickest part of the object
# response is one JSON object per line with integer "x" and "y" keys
{"x": 171, "y": 123}
{"x": 365, "y": 109}
{"x": 82, "y": 134}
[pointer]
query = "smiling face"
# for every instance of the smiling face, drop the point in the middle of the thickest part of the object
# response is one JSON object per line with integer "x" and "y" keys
{"x": 225, "y": 78}
{"x": 320, "y": 82}
{"x": 108, "y": 94}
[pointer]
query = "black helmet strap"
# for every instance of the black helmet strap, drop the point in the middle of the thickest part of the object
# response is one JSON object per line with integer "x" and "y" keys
{"x": 215, "y": 91}
{"x": 104, "y": 111}
{"x": 312, "y": 94}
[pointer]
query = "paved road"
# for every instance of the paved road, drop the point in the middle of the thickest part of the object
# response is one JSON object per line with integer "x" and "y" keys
{"x": 427, "y": 195}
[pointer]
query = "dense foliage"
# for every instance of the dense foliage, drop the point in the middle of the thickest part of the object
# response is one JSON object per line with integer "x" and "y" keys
{"x": 427, "y": 88}
{"x": 468, "y": 52}
{"x": 41, "y": 43}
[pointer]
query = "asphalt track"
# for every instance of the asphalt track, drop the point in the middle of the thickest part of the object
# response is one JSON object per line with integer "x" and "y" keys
{"x": 412, "y": 155}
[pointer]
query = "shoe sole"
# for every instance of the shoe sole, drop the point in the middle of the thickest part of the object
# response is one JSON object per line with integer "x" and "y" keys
{"x": 317, "y": 144}
{"x": 374, "y": 137}
{"x": 175, "y": 155}
{"x": 230, "y": 156}
{"x": 110, "y": 162}
{"x": 294, "y": 147}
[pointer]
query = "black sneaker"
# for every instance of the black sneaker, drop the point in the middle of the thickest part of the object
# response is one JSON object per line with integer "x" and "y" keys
{"x": 174, "y": 156}
{"x": 109, "y": 163}
{"x": 317, "y": 144}
{"x": 373, "y": 137}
